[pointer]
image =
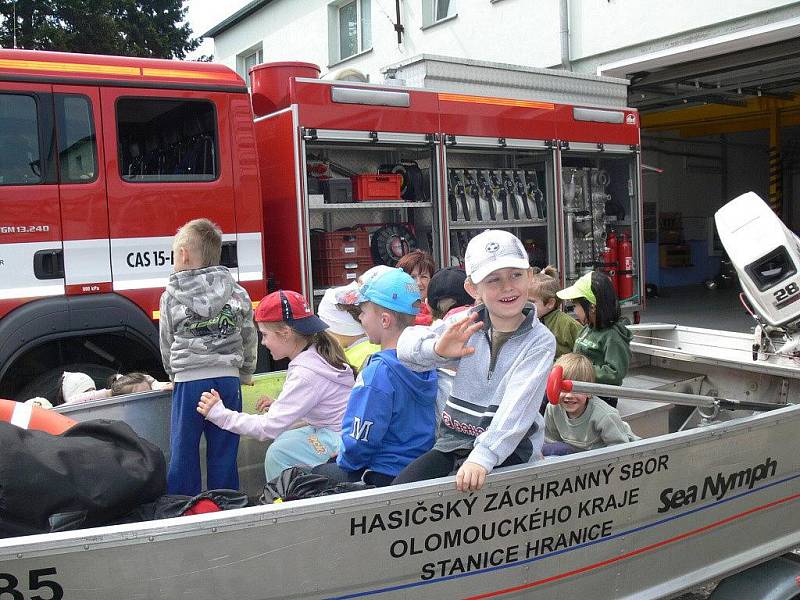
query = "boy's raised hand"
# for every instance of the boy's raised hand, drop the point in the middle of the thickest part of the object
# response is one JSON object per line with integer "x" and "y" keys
{"x": 453, "y": 342}
{"x": 207, "y": 400}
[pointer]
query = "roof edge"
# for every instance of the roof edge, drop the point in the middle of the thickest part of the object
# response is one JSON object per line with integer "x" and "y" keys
{"x": 235, "y": 18}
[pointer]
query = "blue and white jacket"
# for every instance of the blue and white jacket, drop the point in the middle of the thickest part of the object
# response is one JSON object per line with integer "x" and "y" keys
{"x": 390, "y": 418}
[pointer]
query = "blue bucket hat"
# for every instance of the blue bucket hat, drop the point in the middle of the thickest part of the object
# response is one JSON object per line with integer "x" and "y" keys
{"x": 395, "y": 290}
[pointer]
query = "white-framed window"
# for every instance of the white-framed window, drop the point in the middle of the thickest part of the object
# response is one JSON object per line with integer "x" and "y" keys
{"x": 350, "y": 28}
{"x": 247, "y": 60}
{"x": 434, "y": 11}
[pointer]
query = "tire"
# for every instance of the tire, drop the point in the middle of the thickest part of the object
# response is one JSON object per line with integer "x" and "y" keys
{"x": 390, "y": 243}
{"x": 46, "y": 384}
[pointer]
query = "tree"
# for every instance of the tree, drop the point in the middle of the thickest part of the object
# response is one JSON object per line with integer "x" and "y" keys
{"x": 146, "y": 28}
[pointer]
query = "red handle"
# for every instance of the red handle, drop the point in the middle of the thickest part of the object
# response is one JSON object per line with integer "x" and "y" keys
{"x": 557, "y": 384}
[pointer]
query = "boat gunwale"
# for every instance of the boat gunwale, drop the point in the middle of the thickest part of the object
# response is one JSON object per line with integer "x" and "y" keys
{"x": 48, "y": 544}
{"x": 789, "y": 370}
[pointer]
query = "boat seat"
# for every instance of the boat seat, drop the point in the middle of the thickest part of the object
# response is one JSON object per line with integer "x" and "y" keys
{"x": 648, "y": 418}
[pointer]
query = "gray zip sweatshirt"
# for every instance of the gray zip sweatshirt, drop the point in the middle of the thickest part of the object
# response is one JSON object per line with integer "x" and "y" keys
{"x": 206, "y": 326}
{"x": 490, "y": 414}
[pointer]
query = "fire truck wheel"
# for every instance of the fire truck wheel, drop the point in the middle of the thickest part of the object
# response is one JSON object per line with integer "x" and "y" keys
{"x": 46, "y": 384}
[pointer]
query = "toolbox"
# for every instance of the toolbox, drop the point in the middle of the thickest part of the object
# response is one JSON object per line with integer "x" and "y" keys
{"x": 339, "y": 271}
{"x": 345, "y": 244}
{"x": 374, "y": 188}
{"x": 337, "y": 191}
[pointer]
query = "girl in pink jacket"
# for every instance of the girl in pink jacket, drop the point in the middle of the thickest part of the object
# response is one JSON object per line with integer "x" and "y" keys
{"x": 305, "y": 420}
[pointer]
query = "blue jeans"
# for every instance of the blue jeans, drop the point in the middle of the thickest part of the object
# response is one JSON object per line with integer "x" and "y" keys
{"x": 188, "y": 425}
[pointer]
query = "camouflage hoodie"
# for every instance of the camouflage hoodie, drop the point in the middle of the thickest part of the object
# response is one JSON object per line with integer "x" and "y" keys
{"x": 207, "y": 327}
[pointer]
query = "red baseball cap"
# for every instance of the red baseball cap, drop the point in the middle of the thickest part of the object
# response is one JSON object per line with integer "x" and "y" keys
{"x": 286, "y": 306}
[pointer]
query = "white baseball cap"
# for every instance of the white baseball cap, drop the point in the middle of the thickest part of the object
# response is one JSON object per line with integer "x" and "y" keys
{"x": 339, "y": 321}
{"x": 491, "y": 250}
{"x": 73, "y": 384}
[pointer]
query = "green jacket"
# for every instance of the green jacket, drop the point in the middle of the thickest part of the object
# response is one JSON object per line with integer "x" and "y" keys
{"x": 609, "y": 350}
{"x": 564, "y": 328}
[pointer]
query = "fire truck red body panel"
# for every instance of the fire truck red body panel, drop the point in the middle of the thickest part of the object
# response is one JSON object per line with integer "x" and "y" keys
{"x": 27, "y": 65}
{"x": 570, "y": 129}
{"x": 496, "y": 117}
{"x": 281, "y": 196}
{"x": 316, "y": 108}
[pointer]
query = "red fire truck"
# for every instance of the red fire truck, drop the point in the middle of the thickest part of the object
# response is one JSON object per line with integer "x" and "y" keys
{"x": 103, "y": 158}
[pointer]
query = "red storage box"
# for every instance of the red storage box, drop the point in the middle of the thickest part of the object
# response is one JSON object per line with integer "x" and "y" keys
{"x": 339, "y": 271}
{"x": 374, "y": 188}
{"x": 340, "y": 244}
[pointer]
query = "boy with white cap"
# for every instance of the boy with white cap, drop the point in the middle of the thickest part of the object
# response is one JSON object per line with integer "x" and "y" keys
{"x": 503, "y": 354}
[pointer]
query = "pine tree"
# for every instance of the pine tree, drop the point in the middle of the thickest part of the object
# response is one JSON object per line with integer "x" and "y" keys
{"x": 146, "y": 28}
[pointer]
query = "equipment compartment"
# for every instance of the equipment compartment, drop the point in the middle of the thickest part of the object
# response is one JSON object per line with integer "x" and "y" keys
{"x": 392, "y": 212}
{"x": 491, "y": 186}
{"x": 601, "y": 217}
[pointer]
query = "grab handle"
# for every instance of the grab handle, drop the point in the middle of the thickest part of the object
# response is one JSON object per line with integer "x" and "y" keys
{"x": 557, "y": 384}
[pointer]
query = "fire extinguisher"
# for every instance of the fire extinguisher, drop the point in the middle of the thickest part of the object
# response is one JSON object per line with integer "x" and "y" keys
{"x": 610, "y": 260}
{"x": 625, "y": 274}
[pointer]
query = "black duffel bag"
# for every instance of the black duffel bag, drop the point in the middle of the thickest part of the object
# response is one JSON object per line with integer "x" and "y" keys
{"x": 90, "y": 475}
{"x": 175, "y": 505}
{"x": 296, "y": 483}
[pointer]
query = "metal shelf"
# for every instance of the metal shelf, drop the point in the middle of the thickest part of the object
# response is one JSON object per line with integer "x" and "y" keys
{"x": 369, "y": 205}
{"x": 487, "y": 224}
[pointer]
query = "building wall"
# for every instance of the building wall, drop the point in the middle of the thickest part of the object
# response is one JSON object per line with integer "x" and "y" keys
{"x": 506, "y": 31}
{"x": 601, "y": 26}
{"x": 524, "y": 32}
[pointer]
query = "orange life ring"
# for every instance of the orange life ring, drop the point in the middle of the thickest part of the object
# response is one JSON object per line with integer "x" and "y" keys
{"x": 28, "y": 416}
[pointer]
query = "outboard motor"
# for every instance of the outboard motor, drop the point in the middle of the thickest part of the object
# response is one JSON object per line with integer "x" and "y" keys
{"x": 766, "y": 256}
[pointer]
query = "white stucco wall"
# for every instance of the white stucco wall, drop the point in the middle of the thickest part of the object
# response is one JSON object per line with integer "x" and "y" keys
{"x": 524, "y": 32}
{"x": 599, "y": 26}
{"x": 513, "y": 31}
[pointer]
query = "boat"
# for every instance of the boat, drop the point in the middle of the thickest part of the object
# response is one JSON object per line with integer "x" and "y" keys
{"x": 704, "y": 494}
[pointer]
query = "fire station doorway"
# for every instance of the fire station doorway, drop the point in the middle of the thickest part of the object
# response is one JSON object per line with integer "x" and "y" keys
{"x": 719, "y": 118}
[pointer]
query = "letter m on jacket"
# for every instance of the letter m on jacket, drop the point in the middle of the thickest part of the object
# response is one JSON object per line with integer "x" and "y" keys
{"x": 360, "y": 429}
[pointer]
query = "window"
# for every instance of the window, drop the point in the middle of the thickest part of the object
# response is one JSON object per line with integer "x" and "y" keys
{"x": 76, "y": 139}
{"x": 20, "y": 160}
{"x": 166, "y": 140}
{"x": 247, "y": 60}
{"x": 434, "y": 11}
{"x": 353, "y": 30}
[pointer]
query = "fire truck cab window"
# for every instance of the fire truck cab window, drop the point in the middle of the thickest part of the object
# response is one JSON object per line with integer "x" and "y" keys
{"x": 76, "y": 139}
{"x": 166, "y": 140}
{"x": 19, "y": 141}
